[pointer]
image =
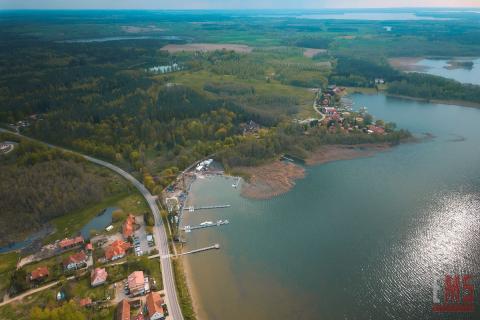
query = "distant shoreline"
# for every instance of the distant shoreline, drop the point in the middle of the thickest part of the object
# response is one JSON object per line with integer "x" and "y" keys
{"x": 447, "y": 102}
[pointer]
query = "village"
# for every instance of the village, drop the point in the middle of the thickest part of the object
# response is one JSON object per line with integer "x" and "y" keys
{"x": 337, "y": 115}
{"x": 113, "y": 267}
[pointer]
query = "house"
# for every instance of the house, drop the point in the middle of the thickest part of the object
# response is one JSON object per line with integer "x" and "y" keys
{"x": 75, "y": 261}
{"x": 123, "y": 310}
{"x": 71, "y": 243}
{"x": 155, "y": 304}
{"x": 89, "y": 247}
{"x": 375, "y": 129}
{"x": 136, "y": 283}
{"x": 39, "y": 274}
{"x": 128, "y": 226}
{"x": 85, "y": 302}
{"x": 98, "y": 277}
{"x": 329, "y": 110}
{"x": 116, "y": 250}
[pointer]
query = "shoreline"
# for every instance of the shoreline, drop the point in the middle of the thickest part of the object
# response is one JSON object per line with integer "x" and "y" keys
{"x": 447, "y": 102}
{"x": 192, "y": 289}
{"x": 277, "y": 178}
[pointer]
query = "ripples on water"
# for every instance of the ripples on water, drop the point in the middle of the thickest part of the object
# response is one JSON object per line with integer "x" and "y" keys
{"x": 443, "y": 239}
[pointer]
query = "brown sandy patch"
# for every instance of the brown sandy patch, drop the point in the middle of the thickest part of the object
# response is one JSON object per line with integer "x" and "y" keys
{"x": 310, "y": 53}
{"x": 205, "y": 47}
{"x": 405, "y": 63}
{"x": 270, "y": 180}
{"x": 136, "y": 29}
{"x": 341, "y": 152}
{"x": 192, "y": 289}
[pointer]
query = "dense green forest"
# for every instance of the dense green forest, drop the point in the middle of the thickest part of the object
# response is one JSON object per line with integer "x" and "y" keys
{"x": 38, "y": 184}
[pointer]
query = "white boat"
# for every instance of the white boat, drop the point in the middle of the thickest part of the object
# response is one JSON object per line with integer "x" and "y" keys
{"x": 109, "y": 228}
{"x": 206, "y": 223}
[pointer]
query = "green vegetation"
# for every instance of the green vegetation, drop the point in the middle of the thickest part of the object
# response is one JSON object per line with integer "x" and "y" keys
{"x": 38, "y": 184}
{"x": 182, "y": 290}
{"x": 8, "y": 264}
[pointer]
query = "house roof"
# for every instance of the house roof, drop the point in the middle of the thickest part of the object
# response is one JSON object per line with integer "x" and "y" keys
{"x": 98, "y": 275}
{"x": 85, "y": 302}
{"x": 71, "y": 242}
{"x": 123, "y": 310}
{"x": 89, "y": 246}
{"x": 154, "y": 303}
{"x": 118, "y": 247}
{"x": 136, "y": 279}
{"x": 40, "y": 272}
{"x": 75, "y": 258}
{"x": 128, "y": 226}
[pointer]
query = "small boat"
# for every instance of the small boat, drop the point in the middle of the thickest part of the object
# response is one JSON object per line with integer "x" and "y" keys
{"x": 206, "y": 223}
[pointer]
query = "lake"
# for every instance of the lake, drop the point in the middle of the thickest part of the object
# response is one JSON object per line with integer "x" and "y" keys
{"x": 122, "y": 38}
{"x": 438, "y": 68}
{"x": 356, "y": 239}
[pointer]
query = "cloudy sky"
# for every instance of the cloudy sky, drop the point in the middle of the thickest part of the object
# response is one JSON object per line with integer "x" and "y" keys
{"x": 228, "y": 4}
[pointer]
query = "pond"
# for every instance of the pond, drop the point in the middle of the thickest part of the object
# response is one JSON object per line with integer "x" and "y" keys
{"x": 100, "y": 222}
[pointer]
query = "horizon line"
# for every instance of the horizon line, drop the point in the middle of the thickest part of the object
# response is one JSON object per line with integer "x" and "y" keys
{"x": 235, "y": 9}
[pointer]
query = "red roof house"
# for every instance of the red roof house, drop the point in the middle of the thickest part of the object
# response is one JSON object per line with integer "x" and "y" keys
{"x": 123, "y": 310}
{"x": 136, "y": 283}
{"x": 75, "y": 261}
{"x": 155, "y": 306}
{"x": 128, "y": 226}
{"x": 39, "y": 274}
{"x": 98, "y": 276}
{"x": 71, "y": 243}
{"x": 117, "y": 250}
{"x": 85, "y": 302}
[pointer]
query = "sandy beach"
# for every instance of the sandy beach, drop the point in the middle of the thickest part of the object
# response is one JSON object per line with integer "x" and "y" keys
{"x": 270, "y": 180}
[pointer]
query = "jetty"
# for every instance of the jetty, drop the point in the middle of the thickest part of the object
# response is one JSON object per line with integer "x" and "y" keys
{"x": 215, "y": 246}
{"x": 206, "y": 224}
{"x": 218, "y": 206}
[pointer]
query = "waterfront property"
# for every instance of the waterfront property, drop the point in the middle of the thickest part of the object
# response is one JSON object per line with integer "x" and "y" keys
{"x": 117, "y": 250}
{"x": 68, "y": 243}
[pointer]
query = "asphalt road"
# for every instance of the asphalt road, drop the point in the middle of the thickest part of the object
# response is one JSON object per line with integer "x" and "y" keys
{"x": 161, "y": 241}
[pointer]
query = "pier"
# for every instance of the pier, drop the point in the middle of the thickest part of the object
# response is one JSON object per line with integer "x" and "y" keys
{"x": 206, "y": 225}
{"x": 219, "y": 206}
{"x": 215, "y": 246}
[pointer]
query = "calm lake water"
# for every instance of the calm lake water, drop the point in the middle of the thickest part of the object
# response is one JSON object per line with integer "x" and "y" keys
{"x": 356, "y": 239}
{"x": 438, "y": 68}
{"x": 100, "y": 222}
{"x": 373, "y": 16}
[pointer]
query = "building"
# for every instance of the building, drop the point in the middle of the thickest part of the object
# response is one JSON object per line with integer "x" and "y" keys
{"x": 85, "y": 302}
{"x": 89, "y": 247}
{"x": 155, "y": 306}
{"x": 136, "y": 283}
{"x": 117, "y": 250}
{"x": 39, "y": 274}
{"x": 98, "y": 277}
{"x": 71, "y": 243}
{"x": 123, "y": 310}
{"x": 75, "y": 261}
{"x": 128, "y": 226}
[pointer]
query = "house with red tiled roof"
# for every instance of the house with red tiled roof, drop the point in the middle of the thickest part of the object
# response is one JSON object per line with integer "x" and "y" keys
{"x": 71, "y": 243}
{"x": 155, "y": 303}
{"x": 128, "y": 226}
{"x": 98, "y": 277}
{"x": 123, "y": 310}
{"x": 39, "y": 274}
{"x": 85, "y": 302}
{"x": 136, "y": 283}
{"x": 117, "y": 250}
{"x": 75, "y": 261}
{"x": 89, "y": 247}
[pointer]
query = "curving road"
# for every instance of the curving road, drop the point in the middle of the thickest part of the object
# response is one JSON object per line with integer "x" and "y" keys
{"x": 159, "y": 231}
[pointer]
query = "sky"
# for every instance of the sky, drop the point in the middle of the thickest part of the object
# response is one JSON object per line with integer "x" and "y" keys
{"x": 229, "y": 4}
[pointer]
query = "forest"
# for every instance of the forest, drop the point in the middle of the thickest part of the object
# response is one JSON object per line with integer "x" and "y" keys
{"x": 38, "y": 184}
